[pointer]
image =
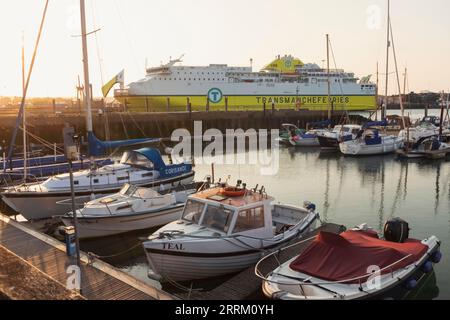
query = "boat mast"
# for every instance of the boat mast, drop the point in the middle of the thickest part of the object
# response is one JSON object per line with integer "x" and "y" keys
{"x": 376, "y": 93}
{"x": 27, "y": 82}
{"x": 404, "y": 85}
{"x": 441, "y": 124}
{"x": 87, "y": 86}
{"x": 328, "y": 75}
{"x": 397, "y": 75}
{"x": 384, "y": 109}
{"x": 24, "y": 118}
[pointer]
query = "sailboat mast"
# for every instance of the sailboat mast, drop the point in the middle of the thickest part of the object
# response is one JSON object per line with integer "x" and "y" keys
{"x": 384, "y": 109}
{"x": 404, "y": 84}
{"x": 27, "y": 82}
{"x": 24, "y": 118}
{"x": 328, "y": 75}
{"x": 376, "y": 93}
{"x": 397, "y": 76}
{"x": 87, "y": 86}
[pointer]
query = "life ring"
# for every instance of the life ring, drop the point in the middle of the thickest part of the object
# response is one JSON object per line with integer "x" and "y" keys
{"x": 234, "y": 192}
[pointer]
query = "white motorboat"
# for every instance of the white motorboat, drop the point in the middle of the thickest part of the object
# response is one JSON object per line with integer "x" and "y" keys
{"x": 223, "y": 230}
{"x": 133, "y": 208}
{"x": 414, "y": 134}
{"x": 330, "y": 140}
{"x": 143, "y": 167}
{"x": 356, "y": 264}
{"x": 369, "y": 141}
{"x": 427, "y": 147}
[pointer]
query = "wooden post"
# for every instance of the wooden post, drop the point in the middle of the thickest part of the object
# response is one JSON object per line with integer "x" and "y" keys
{"x": 146, "y": 104}
{"x": 264, "y": 108}
{"x": 207, "y": 104}
{"x": 54, "y": 106}
{"x": 226, "y": 104}
{"x": 188, "y": 105}
{"x": 168, "y": 104}
{"x": 273, "y": 107}
{"x": 125, "y": 107}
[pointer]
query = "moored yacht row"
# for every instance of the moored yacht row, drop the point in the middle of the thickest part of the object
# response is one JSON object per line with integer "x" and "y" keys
{"x": 424, "y": 140}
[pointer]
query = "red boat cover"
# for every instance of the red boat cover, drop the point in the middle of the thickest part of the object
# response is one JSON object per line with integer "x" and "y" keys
{"x": 334, "y": 257}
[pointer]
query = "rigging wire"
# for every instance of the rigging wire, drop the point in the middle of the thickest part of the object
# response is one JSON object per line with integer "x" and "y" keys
{"x": 99, "y": 55}
{"x": 125, "y": 29}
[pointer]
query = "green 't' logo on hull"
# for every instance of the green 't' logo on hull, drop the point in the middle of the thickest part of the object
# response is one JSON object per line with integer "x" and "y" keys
{"x": 215, "y": 95}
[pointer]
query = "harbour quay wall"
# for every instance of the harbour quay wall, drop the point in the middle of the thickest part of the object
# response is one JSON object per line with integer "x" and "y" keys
{"x": 122, "y": 125}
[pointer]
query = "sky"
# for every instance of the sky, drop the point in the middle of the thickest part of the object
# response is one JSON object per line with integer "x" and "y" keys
{"x": 134, "y": 33}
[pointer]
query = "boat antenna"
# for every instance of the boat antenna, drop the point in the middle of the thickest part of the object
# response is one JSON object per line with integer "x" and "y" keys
{"x": 328, "y": 77}
{"x": 384, "y": 109}
{"x": 24, "y": 118}
{"x": 27, "y": 82}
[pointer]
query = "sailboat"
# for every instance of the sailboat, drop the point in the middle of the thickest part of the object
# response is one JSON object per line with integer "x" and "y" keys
{"x": 370, "y": 141}
{"x": 143, "y": 167}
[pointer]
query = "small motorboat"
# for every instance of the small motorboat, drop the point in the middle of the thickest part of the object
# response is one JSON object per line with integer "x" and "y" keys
{"x": 220, "y": 233}
{"x": 369, "y": 141}
{"x": 133, "y": 208}
{"x": 427, "y": 147}
{"x": 356, "y": 264}
{"x": 330, "y": 140}
{"x": 291, "y": 135}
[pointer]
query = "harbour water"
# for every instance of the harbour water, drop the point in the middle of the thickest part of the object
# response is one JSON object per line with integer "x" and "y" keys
{"x": 347, "y": 191}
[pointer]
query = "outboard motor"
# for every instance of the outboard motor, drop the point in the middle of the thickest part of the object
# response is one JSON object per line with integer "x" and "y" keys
{"x": 396, "y": 230}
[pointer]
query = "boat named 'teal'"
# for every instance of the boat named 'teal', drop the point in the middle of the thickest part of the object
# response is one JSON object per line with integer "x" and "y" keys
{"x": 222, "y": 230}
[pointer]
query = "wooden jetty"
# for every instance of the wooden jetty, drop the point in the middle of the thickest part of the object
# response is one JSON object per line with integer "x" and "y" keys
{"x": 245, "y": 285}
{"x": 99, "y": 280}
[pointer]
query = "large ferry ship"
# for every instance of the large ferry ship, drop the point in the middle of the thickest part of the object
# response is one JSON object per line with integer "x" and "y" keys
{"x": 287, "y": 83}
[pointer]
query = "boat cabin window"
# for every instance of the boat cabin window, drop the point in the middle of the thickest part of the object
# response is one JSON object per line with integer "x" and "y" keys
{"x": 193, "y": 211}
{"x": 249, "y": 220}
{"x": 217, "y": 218}
{"x": 136, "y": 159}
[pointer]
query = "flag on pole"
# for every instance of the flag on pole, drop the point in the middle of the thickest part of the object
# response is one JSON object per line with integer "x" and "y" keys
{"x": 119, "y": 78}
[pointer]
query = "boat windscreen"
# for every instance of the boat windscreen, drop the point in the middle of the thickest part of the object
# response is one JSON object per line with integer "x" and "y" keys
{"x": 136, "y": 159}
{"x": 217, "y": 218}
{"x": 193, "y": 211}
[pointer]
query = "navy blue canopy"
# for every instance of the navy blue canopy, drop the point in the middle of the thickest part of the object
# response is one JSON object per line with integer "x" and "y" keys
{"x": 320, "y": 124}
{"x": 375, "y": 124}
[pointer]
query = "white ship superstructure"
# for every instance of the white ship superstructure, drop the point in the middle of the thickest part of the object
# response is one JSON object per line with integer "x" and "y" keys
{"x": 287, "y": 82}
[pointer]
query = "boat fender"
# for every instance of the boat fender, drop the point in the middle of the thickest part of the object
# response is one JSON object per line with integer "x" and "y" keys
{"x": 309, "y": 206}
{"x": 436, "y": 256}
{"x": 427, "y": 267}
{"x": 410, "y": 284}
{"x": 396, "y": 230}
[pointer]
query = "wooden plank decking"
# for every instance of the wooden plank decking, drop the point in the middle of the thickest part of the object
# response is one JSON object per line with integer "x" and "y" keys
{"x": 245, "y": 285}
{"x": 99, "y": 281}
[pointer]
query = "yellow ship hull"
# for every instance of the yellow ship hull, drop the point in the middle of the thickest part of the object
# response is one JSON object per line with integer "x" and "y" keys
{"x": 235, "y": 103}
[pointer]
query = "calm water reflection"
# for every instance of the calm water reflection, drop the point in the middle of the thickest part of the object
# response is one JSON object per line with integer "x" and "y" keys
{"x": 347, "y": 191}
